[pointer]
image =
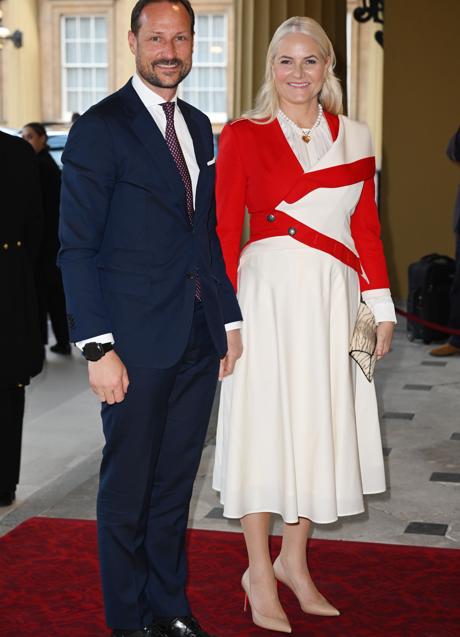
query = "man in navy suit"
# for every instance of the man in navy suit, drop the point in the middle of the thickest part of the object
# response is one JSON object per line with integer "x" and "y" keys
{"x": 150, "y": 305}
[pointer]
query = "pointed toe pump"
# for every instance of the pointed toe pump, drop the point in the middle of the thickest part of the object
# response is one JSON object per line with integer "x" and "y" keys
{"x": 279, "y": 624}
{"x": 319, "y": 607}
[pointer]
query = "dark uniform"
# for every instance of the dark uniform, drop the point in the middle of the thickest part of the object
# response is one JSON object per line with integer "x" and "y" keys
{"x": 20, "y": 339}
{"x": 453, "y": 152}
{"x": 452, "y": 347}
{"x": 50, "y": 288}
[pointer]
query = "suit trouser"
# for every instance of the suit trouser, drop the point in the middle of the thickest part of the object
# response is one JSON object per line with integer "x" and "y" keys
{"x": 154, "y": 440}
{"x": 454, "y": 318}
{"x": 11, "y": 417}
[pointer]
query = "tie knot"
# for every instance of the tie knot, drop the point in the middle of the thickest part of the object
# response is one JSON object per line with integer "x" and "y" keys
{"x": 168, "y": 108}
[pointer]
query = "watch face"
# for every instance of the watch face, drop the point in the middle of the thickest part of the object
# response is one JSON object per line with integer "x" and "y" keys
{"x": 93, "y": 351}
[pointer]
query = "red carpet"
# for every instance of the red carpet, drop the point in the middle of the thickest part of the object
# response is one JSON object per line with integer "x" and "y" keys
{"x": 49, "y": 586}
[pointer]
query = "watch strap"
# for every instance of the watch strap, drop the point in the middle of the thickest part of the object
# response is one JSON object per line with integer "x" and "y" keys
{"x": 107, "y": 347}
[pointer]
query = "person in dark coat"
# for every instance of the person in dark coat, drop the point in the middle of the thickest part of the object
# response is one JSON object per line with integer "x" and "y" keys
{"x": 21, "y": 225}
{"x": 51, "y": 291}
{"x": 452, "y": 347}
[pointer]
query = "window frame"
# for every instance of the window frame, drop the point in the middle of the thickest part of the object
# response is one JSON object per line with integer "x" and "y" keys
{"x": 226, "y": 7}
{"x": 50, "y": 17}
{"x": 216, "y": 117}
{"x": 65, "y": 65}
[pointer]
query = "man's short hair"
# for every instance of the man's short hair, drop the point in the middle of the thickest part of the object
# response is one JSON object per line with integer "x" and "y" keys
{"x": 140, "y": 4}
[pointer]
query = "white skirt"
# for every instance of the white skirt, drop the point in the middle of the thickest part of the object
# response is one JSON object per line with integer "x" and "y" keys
{"x": 298, "y": 431}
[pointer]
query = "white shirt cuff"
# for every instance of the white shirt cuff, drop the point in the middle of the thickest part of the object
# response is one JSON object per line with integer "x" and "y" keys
{"x": 102, "y": 338}
{"x": 381, "y": 304}
{"x": 236, "y": 325}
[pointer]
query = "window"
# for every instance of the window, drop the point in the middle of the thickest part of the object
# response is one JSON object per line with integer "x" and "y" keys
{"x": 84, "y": 62}
{"x": 206, "y": 86}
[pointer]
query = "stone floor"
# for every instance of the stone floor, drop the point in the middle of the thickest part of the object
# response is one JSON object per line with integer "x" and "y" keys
{"x": 419, "y": 401}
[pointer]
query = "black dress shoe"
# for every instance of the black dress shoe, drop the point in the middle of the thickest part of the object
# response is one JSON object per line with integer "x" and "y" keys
{"x": 184, "y": 627}
{"x": 63, "y": 349}
{"x": 7, "y": 498}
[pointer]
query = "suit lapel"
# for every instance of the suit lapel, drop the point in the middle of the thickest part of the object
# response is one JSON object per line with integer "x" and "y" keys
{"x": 195, "y": 132}
{"x": 200, "y": 151}
{"x": 151, "y": 138}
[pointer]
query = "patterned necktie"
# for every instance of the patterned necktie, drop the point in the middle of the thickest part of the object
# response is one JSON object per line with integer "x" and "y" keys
{"x": 179, "y": 159}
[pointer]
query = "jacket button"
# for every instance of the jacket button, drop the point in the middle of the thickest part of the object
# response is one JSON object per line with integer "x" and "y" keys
{"x": 190, "y": 275}
{"x": 271, "y": 218}
{"x": 5, "y": 246}
{"x": 19, "y": 244}
{"x": 292, "y": 231}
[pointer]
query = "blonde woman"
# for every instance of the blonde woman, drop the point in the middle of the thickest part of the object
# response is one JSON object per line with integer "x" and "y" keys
{"x": 298, "y": 431}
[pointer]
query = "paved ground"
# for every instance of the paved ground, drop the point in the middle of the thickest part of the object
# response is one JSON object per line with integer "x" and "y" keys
{"x": 419, "y": 401}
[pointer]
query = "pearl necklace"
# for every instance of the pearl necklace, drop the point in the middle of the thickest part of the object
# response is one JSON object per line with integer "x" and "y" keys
{"x": 305, "y": 132}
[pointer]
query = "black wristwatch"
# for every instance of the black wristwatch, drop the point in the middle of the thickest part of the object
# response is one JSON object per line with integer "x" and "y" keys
{"x": 94, "y": 351}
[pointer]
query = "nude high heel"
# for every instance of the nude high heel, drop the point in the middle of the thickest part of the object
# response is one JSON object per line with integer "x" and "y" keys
{"x": 321, "y": 607}
{"x": 270, "y": 623}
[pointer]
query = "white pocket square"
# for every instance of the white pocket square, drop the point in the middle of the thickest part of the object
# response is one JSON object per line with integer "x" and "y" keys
{"x": 211, "y": 161}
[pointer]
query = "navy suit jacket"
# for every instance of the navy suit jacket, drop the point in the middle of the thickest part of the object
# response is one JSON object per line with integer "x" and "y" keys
{"x": 128, "y": 251}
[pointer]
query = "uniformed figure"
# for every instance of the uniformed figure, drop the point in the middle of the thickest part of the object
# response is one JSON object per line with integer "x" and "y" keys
{"x": 452, "y": 347}
{"x": 49, "y": 279}
{"x": 20, "y": 341}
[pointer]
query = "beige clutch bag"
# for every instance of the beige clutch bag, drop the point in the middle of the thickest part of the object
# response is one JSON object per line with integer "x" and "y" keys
{"x": 364, "y": 341}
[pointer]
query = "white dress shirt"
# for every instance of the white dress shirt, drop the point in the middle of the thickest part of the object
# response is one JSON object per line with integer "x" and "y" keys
{"x": 152, "y": 102}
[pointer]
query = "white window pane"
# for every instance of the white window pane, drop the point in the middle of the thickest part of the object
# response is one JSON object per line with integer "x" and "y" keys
{"x": 191, "y": 97}
{"x": 217, "y": 52}
{"x": 101, "y": 28}
{"x": 85, "y": 52}
{"x": 70, "y": 28}
{"x": 189, "y": 80}
{"x": 218, "y": 79}
{"x": 204, "y": 77}
{"x": 204, "y": 102}
{"x": 100, "y": 53}
{"x": 220, "y": 101}
{"x": 72, "y": 78}
{"x": 85, "y": 28}
{"x": 86, "y": 78}
{"x": 101, "y": 78}
{"x": 218, "y": 26}
{"x": 203, "y": 52}
{"x": 202, "y": 26}
{"x": 72, "y": 101}
{"x": 71, "y": 53}
{"x": 86, "y": 100}
{"x": 100, "y": 95}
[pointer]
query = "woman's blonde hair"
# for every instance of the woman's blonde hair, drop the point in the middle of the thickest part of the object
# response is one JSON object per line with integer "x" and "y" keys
{"x": 267, "y": 101}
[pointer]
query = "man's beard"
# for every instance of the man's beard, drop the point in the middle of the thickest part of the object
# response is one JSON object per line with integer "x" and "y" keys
{"x": 147, "y": 72}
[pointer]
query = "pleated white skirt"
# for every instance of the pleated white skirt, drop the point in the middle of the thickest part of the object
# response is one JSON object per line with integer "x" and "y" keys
{"x": 298, "y": 431}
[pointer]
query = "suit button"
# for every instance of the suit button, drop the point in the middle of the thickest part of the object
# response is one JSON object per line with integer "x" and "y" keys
{"x": 5, "y": 246}
{"x": 190, "y": 275}
{"x": 19, "y": 244}
{"x": 271, "y": 218}
{"x": 292, "y": 231}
